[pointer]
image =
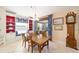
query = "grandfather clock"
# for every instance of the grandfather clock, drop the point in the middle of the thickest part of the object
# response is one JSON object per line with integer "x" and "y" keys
{"x": 70, "y": 21}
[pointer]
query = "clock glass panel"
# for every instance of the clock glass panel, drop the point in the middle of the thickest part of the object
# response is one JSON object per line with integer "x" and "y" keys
{"x": 70, "y": 19}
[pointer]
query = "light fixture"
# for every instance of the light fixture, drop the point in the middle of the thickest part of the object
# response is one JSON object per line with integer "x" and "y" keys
{"x": 35, "y": 13}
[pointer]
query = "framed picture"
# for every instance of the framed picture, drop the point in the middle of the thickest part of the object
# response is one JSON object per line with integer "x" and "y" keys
{"x": 58, "y": 27}
{"x": 58, "y": 21}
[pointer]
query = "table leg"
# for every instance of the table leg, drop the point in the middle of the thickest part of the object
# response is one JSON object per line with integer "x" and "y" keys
{"x": 39, "y": 48}
{"x": 47, "y": 44}
{"x": 25, "y": 44}
{"x": 32, "y": 47}
{"x": 28, "y": 48}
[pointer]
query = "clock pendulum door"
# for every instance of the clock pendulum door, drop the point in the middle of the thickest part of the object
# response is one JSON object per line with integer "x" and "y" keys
{"x": 70, "y": 40}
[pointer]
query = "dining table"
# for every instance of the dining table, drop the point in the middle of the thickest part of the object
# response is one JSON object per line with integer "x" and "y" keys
{"x": 41, "y": 43}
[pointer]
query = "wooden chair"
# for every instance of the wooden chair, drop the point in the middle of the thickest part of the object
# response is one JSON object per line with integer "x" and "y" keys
{"x": 24, "y": 39}
{"x": 44, "y": 34}
{"x": 29, "y": 41}
{"x": 31, "y": 35}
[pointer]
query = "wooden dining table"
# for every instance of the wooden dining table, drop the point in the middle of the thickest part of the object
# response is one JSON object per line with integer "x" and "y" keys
{"x": 41, "y": 43}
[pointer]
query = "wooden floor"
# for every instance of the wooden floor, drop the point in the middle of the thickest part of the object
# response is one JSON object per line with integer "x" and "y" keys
{"x": 54, "y": 47}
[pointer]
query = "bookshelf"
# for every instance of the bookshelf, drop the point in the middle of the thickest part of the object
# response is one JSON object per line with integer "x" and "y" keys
{"x": 30, "y": 24}
{"x": 10, "y": 24}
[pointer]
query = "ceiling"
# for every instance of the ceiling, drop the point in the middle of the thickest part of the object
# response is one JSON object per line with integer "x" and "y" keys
{"x": 40, "y": 10}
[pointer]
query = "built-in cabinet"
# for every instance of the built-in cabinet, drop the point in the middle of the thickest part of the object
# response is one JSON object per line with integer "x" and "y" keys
{"x": 10, "y": 28}
{"x": 10, "y": 24}
{"x": 30, "y": 24}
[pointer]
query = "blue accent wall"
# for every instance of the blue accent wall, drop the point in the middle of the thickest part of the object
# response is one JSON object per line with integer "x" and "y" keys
{"x": 49, "y": 25}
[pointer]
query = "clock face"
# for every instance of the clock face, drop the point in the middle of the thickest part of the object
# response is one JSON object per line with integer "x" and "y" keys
{"x": 70, "y": 19}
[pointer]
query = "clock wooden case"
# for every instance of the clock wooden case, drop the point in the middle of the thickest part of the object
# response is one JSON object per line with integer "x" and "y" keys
{"x": 70, "y": 21}
{"x": 71, "y": 18}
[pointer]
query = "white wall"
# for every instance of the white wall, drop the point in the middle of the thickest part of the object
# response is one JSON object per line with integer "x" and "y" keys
{"x": 2, "y": 25}
{"x": 60, "y": 36}
{"x": 5, "y": 37}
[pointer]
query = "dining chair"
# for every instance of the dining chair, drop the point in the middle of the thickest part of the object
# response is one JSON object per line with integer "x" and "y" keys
{"x": 24, "y": 39}
{"x": 44, "y": 34}
{"x": 30, "y": 37}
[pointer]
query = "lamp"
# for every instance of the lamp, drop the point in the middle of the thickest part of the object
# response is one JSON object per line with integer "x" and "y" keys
{"x": 35, "y": 15}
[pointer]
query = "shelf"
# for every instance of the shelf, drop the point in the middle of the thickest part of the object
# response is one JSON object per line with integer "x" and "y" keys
{"x": 10, "y": 24}
{"x": 11, "y": 21}
{"x": 30, "y": 24}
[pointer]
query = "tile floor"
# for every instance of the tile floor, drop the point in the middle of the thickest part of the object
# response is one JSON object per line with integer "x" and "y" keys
{"x": 54, "y": 47}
